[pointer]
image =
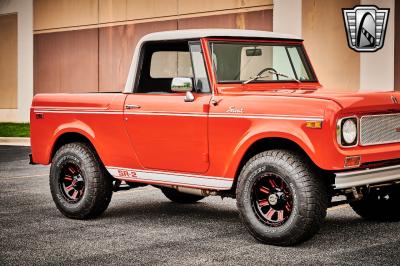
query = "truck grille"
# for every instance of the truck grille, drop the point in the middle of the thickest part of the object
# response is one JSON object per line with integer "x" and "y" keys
{"x": 379, "y": 129}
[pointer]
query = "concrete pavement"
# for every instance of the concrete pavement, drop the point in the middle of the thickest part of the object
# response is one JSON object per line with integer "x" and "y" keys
{"x": 142, "y": 227}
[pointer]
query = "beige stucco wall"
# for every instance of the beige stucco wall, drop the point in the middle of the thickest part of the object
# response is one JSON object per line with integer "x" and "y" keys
{"x": 8, "y": 61}
{"x": 336, "y": 65}
{"x": 377, "y": 69}
{"x": 287, "y": 16}
{"x": 320, "y": 24}
{"x": 24, "y": 9}
{"x": 63, "y": 13}
{"x": 55, "y": 15}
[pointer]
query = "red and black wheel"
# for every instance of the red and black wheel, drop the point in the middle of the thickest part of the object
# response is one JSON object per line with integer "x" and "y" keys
{"x": 72, "y": 182}
{"x": 80, "y": 185}
{"x": 280, "y": 198}
{"x": 272, "y": 199}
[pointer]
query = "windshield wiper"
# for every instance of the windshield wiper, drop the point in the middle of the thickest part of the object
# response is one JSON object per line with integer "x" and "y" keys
{"x": 255, "y": 78}
{"x": 273, "y": 73}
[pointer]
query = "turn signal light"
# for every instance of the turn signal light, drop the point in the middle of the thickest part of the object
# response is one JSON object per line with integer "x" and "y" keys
{"x": 314, "y": 124}
{"x": 352, "y": 161}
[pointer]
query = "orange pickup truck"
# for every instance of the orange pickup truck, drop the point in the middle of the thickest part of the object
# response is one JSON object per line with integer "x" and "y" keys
{"x": 231, "y": 113}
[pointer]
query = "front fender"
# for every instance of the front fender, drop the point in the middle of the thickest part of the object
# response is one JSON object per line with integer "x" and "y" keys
{"x": 297, "y": 135}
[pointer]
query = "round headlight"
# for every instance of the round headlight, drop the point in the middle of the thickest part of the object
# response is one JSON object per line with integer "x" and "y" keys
{"x": 349, "y": 131}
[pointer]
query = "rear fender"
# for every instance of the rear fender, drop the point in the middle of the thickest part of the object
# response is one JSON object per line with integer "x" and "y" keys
{"x": 78, "y": 127}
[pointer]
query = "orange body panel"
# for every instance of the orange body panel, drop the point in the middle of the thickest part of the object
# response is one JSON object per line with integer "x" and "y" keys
{"x": 211, "y": 135}
{"x": 168, "y": 133}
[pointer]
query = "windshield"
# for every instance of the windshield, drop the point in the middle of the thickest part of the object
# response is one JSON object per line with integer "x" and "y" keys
{"x": 240, "y": 62}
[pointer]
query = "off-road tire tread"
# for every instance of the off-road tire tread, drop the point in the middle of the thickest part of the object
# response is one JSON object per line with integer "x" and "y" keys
{"x": 97, "y": 201}
{"x": 315, "y": 192}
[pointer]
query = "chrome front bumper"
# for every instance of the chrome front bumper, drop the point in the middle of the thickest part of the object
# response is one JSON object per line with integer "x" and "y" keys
{"x": 367, "y": 177}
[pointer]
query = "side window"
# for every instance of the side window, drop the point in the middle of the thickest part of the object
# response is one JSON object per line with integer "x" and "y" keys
{"x": 170, "y": 64}
{"x": 160, "y": 63}
{"x": 201, "y": 82}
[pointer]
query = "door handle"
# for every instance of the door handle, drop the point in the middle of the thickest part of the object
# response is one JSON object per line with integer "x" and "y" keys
{"x": 132, "y": 106}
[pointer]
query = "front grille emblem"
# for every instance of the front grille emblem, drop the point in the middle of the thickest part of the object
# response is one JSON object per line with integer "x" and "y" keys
{"x": 395, "y": 100}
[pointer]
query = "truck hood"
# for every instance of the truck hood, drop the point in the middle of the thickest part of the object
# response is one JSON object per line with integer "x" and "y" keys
{"x": 371, "y": 102}
{"x": 361, "y": 101}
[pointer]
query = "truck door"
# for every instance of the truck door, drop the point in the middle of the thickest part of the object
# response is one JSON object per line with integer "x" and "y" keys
{"x": 168, "y": 131}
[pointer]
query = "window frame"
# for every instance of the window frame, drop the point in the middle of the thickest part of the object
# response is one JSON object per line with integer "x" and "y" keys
{"x": 139, "y": 69}
{"x": 204, "y": 65}
{"x": 302, "y": 54}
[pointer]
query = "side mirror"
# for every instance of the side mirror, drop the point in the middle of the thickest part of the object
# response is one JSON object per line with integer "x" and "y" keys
{"x": 182, "y": 85}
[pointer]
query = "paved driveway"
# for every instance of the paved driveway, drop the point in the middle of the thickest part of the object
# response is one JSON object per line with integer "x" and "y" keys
{"x": 142, "y": 227}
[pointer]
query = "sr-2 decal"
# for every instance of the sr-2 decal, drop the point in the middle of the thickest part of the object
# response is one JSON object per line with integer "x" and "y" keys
{"x": 157, "y": 177}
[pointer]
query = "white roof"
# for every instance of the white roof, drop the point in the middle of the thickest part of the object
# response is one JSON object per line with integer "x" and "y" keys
{"x": 196, "y": 34}
{"x": 201, "y": 33}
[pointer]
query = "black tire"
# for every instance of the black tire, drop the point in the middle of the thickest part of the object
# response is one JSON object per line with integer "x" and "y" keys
{"x": 179, "y": 197}
{"x": 301, "y": 197}
{"x": 75, "y": 162}
{"x": 379, "y": 205}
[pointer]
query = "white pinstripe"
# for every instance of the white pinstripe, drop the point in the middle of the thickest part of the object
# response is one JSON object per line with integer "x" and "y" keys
{"x": 211, "y": 115}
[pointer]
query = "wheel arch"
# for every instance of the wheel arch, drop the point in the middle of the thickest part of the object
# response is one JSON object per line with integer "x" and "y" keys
{"x": 69, "y": 137}
{"x": 265, "y": 143}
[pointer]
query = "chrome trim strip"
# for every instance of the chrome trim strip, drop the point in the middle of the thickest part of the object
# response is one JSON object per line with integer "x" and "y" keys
{"x": 215, "y": 115}
{"x": 74, "y": 108}
{"x": 280, "y": 117}
{"x": 339, "y": 131}
{"x": 367, "y": 177}
{"x": 167, "y": 114}
{"x": 393, "y": 114}
{"x": 80, "y": 112}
